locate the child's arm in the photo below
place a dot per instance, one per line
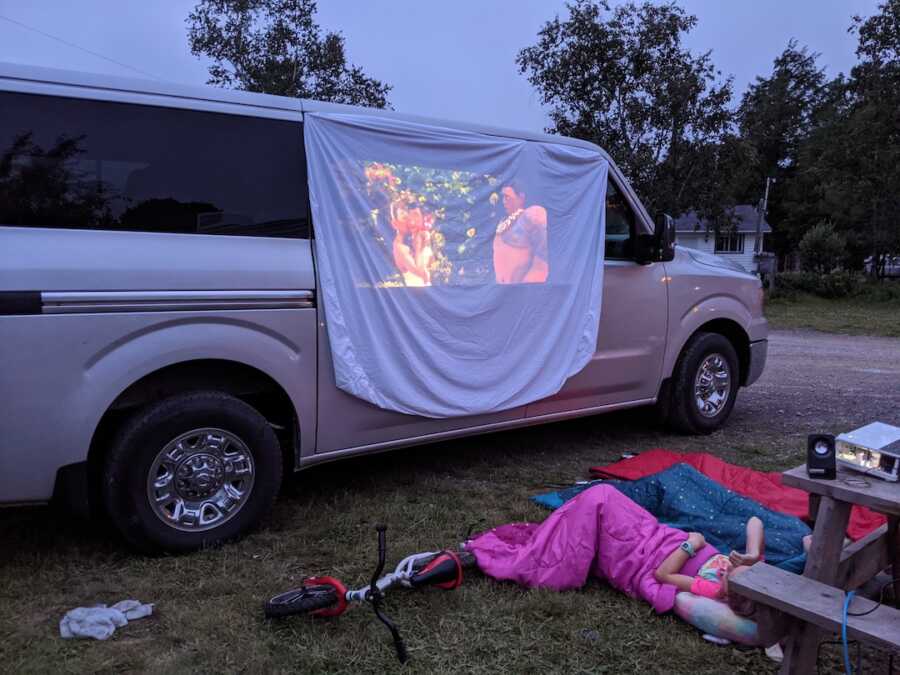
(680, 581)
(667, 572)
(756, 545)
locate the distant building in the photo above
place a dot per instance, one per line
(736, 242)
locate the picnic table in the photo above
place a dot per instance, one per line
(802, 607)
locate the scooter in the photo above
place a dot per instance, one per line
(327, 597)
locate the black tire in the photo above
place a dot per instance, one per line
(684, 414)
(301, 601)
(136, 446)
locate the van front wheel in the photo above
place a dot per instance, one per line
(191, 471)
(704, 384)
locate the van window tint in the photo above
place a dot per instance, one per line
(620, 222)
(72, 163)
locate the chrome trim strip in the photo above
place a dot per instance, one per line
(71, 302)
(333, 455)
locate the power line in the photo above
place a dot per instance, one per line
(72, 44)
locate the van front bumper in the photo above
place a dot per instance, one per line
(758, 352)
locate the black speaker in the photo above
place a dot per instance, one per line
(821, 460)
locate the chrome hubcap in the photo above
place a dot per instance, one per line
(200, 479)
(712, 385)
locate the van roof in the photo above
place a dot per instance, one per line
(35, 79)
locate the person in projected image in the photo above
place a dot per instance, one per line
(411, 224)
(520, 241)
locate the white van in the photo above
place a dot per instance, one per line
(162, 357)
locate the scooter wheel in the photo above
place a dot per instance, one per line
(303, 600)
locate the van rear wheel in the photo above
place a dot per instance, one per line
(191, 471)
(704, 384)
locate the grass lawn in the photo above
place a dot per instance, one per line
(209, 614)
(852, 316)
(209, 605)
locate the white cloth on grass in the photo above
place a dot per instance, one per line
(100, 622)
(441, 297)
(775, 653)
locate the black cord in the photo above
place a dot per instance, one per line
(884, 587)
(880, 600)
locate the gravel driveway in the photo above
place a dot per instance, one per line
(819, 382)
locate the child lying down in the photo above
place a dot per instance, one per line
(686, 499)
(603, 533)
(712, 577)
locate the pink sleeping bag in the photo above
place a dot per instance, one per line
(601, 533)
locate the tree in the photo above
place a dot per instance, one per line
(849, 165)
(822, 248)
(776, 112)
(38, 184)
(276, 47)
(776, 116)
(622, 79)
(874, 131)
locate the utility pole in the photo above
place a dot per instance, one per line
(762, 207)
(765, 262)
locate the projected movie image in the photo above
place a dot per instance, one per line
(451, 227)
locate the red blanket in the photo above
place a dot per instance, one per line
(766, 488)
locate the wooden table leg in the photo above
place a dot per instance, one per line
(821, 565)
(813, 508)
(893, 534)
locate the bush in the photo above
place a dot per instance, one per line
(883, 291)
(822, 248)
(835, 285)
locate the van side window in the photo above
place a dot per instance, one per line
(620, 223)
(73, 163)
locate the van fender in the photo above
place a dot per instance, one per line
(135, 355)
(712, 308)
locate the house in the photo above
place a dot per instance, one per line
(736, 242)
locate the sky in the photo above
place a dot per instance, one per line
(452, 60)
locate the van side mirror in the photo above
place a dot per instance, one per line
(664, 233)
(659, 246)
(645, 249)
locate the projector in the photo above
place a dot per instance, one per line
(873, 449)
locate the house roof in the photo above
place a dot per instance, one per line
(744, 221)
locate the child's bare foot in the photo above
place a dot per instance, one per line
(747, 559)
